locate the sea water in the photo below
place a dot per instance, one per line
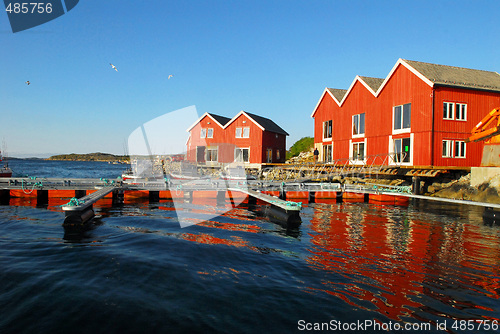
(349, 267)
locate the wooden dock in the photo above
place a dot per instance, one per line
(282, 200)
(282, 210)
(79, 210)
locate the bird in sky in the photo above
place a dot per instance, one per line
(28, 83)
(114, 67)
(170, 76)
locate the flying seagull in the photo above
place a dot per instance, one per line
(28, 83)
(170, 76)
(114, 67)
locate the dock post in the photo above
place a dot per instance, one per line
(252, 200)
(80, 193)
(4, 196)
(416, 185)
(221, 197)
(312, 197)
(117, 197)
(154, 196)
(282, 194)
(42, 197)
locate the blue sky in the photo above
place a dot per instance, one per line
(271, 58)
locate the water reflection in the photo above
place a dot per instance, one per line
(405, 263)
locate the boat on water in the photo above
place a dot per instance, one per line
(5, 171)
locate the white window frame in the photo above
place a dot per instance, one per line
(448, 110)
(402, 129)
(324, 157)
(392, 151)
(210, 133)
(455, 111)
(354, 159)
(236, 157)
(458, 152)
(447, 148)
(325, 137)
(243, 132)
(212, 148)
(461, 112)
(356, 124)
(203, 133)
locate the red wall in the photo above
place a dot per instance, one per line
(402, 87)
(226, 140)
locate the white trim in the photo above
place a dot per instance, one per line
(359, 135)
(392, 152)
(242, 148)
(382, 86)
(366, 85)
(321, 98)
(402, 130)
(199, 120)
(464, 152)
(449, 146)
(351, 152)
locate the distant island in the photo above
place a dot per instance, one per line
(91, 157)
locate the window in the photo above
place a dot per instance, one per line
(210, 133)
(448, 110)
(203, 133)
(243, 132)
(327, 129)
(461, 112)
(402, 150)
(457, 111)
(358, 151)
(358, 125)
(402, 118)
(211, 154)
(459, 149)
(447, 148)
(278, 155)
(327, 153)
(242, 155)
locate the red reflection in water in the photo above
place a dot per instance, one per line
(387, 261)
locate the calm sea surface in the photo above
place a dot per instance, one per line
(350, 267)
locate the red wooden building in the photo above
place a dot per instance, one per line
(246, 138)
(419, 115)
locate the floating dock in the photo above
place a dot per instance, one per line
(283, 200)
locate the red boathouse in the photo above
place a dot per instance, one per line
(246, 138)
(419, 115)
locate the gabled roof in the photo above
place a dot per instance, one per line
(431, 74)
(265, 124)
(337, 93)
(373, 83)
(219, 120)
